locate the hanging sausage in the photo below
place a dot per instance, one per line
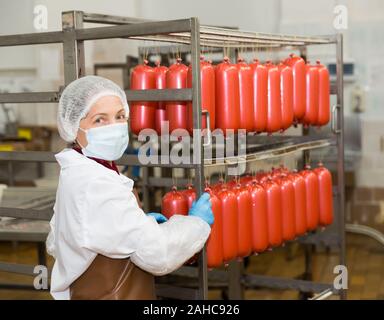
(324, 100)
(259, 217)
(288, 207)
(299, 84)
(176, 78)
(218, 186)
(262, 177)
(277, 172)
(275, 223)
(142, 113)
(300, 202)
(160, 113)
(230, 224)
(207, 78)
(231, 184)
(286, 87)
(173, 203)
(247, 180)
(244, 218)
(325, 194)
(312, 95)
(246, 96)
(215, 240)
(190, 195)
(227, 96)
(274, 99)
(260, 97)
(312, 194)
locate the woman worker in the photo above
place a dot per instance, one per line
(104, 245)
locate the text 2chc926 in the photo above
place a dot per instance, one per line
(212, 309)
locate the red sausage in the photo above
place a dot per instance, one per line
(246, 96)
(176, 78)
(260, 102)
(227, 96)
(142, 114)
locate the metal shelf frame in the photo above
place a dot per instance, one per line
(190, 33)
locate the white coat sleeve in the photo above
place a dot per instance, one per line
(116, 227)
(50, 242)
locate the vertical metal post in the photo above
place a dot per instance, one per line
(235, 286)
(126, 78)
(40, 169)
(11, 176)
(41, 253)
(308, 248)
(235, 267)
(198, 151)
(73, 50)
(340, 149)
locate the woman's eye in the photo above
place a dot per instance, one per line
(121, 117)
(99, 120)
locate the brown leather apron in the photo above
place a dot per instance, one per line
(113, 279)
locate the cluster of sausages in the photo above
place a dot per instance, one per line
(254, 213)
(253, 96)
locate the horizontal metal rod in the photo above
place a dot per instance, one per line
(176, 292)
(111, 19)
(213, 32)
(142, 29)
(164, 49)
(278, 151)
(31, 38)
(250, 45)
(209, 35)
(331, 38)
(326, 238)
(255, 281)
(30, 214)
(29, 97)
(214, 275)
(28, 156)
(175, 31)
(159, 95)
(224, 37)
(47, 156)
(22, 236)
(366, 231)
(191, 283)
(110, 66)
(133, 160)
(165, 182)
(17, 286)
(17, 268)
(242, 34)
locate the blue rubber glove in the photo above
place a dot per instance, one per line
(202, 208)
(158, 216)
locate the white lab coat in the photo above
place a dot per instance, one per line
(97, 213)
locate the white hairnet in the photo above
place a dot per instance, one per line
(78, 97)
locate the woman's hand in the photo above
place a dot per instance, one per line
(158, 216)
(202, 208)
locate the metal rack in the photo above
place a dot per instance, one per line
(190, 33)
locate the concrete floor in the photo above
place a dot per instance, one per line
(365, 259)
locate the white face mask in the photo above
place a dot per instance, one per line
(107, 142)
